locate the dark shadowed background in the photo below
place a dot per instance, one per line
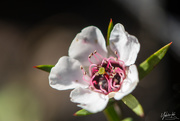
(40, 33)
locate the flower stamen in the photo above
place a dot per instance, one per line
(116, 53)
(106, 76)
(90, 59)
(96, 58)
(84, 74)
(95, 52)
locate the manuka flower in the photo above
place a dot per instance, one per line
(96, 72)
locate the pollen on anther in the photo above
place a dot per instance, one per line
(100, 83)
(116, 80)
(111, 77)
(105, 62)
(95, 51)
(115, 52)
(97, 74)
(84, 73)
(113, 74)
(81, 67)
(90, 55)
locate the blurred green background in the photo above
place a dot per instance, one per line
(40, 33)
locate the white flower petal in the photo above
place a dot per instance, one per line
(85, 43)
(66, 74)
(129, 83)
(126, 45)
(89, 100)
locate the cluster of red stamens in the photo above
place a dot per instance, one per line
(106, 76)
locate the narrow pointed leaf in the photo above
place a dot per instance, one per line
(82, 112)
(133, 104)
(127, 119)
(147, 66)
(110, 27)
(46, 68)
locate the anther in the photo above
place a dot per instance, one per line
(95, 51)
(113, 74)
(89, 56)
(81, 67)
(113, 71)
(105, 62)
(112, 67)
(100, 83)
(116, 68)
(115, 52)
(84, 73)
(111, 77)
(97, 74)
(116, 80)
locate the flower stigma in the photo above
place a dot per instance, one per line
(107, 76)
(101, 70)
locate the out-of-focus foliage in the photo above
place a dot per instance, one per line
(17, 103)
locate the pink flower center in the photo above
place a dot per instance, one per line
(107, 76)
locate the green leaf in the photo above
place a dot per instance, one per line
(18, 103)
(46, 68)
(112, 114)
(110, 27)
(133, 104)
(127, 119)
(82, 112)
(147, 66)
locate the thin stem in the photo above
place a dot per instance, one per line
(113, 113)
